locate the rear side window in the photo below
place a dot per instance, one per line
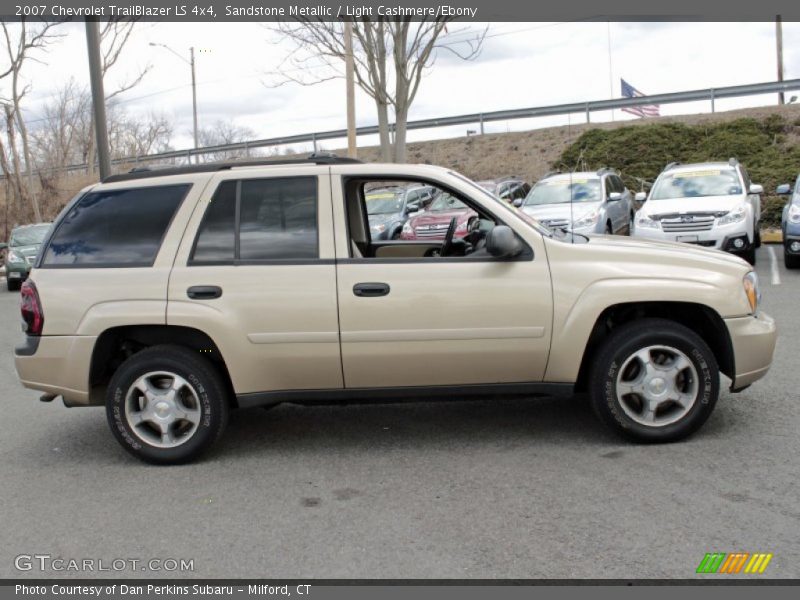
(114, 228)
(259, 220)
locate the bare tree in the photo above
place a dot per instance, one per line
(114, 36)
(22, 43)
(224, 132)
(390, 59)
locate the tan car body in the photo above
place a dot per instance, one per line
(447, 322)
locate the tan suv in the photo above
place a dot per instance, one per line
(173, 296)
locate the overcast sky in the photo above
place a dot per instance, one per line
(521, 65)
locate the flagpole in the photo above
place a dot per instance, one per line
(610, 71)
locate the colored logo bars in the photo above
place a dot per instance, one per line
(736, 562)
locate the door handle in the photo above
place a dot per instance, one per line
(204, 292)
(371, 290)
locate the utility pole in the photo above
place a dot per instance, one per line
(191, 64)
(194, 100)
(779, 44)
(98, 97)
(349, 64)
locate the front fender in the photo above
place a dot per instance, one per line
(573, 327)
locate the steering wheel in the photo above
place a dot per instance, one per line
(448, 238)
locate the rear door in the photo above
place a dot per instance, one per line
(255, 271)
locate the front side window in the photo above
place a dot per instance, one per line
(694, 184)
(259, 220)
(115, 228)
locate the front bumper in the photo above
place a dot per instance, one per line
(57, 365)
(753, 340)
(791, 243)
(720, 237)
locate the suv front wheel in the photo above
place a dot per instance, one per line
(654, 380)
(166, 405)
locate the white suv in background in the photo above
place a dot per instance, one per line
(708, 204)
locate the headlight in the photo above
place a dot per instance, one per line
(407, 228)
(794, 213)
(379, 228)
(14, 257)
(646, 222)
(735, 216)
(752, 291)
(586, 220)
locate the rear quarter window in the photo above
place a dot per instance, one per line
(114, 228)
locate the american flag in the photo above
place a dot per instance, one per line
(644, 110)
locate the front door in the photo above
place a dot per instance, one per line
(411, 320)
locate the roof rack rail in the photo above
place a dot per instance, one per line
(672, 165)
(316, 158)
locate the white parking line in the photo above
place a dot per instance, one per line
(773, 266)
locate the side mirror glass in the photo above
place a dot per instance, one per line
(614, 197)
(640, 196)
(756, 188)
(502, 242)
(412, 208)
(784, 189)
(517, 202)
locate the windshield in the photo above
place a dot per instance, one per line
(489, 186)
(384, 202)
(564, 191)
(696, 184)
(29, 236)
(446, 201)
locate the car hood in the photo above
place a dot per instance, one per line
(661, 252)
(675, 206)
(430, 218)
(383, 218)
(29, 250)
(546, 212)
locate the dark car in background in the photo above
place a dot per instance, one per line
(388, 208)
(790, 224)
(21, 251)
(506, 188)
(432, 224)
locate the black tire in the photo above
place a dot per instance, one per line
(13, 285)
(750, 255)
(609, 229)
(791, 261)
(212, 400)
(758, 237)
(619, 347)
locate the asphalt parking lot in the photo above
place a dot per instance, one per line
(479, 489)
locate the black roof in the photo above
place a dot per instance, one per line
(146, 172)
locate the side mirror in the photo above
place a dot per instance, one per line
(640, 197)
(614, 197)
(784, 189)
(412, 208)
(502, 242)
(517, 202)
(756, 188)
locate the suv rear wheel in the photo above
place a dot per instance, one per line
(166, 405)
(654, 380)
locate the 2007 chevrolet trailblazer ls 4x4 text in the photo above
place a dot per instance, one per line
(171, 297)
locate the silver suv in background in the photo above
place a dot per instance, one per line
(584, 202)
(709, 204)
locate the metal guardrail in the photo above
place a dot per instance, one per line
(587, 108)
